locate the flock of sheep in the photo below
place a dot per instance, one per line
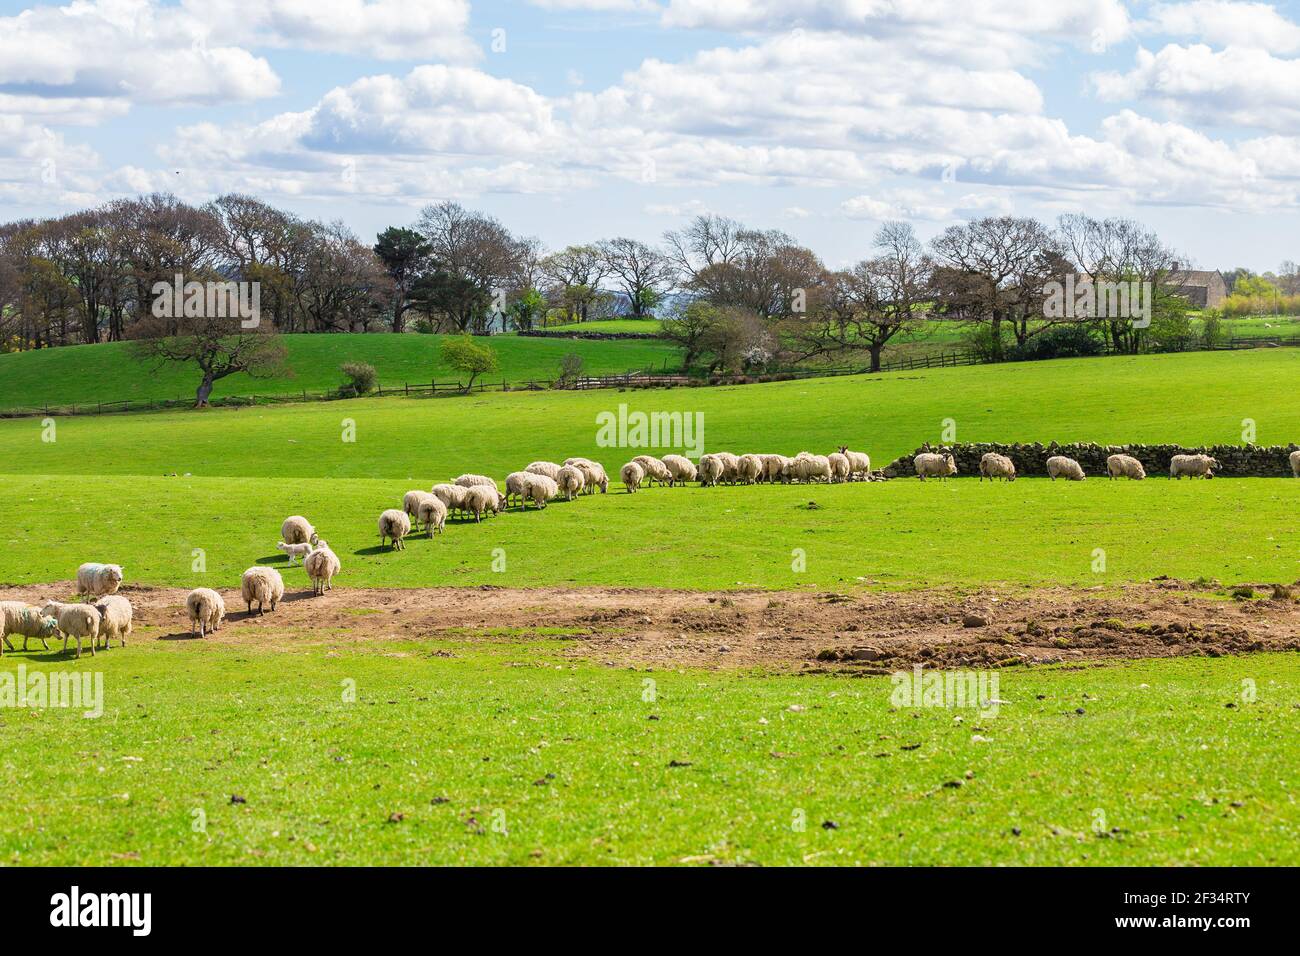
(110, 615)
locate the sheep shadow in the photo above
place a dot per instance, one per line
(182, 636)
(376, 549)
(275, 559)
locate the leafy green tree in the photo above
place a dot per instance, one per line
(463, 354)
(404, 253)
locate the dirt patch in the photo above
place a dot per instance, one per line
(791, 630)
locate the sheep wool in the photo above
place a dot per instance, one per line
(18, 619)
(632, 475)
(548, 468)
(859, 462)
(841, 468)
(297, 530)
(322, 564)
(1294, 458)
(394, 525)
(994, 466)
(710, 470)
(540, 490)
(570, 481)
(115, 618)
(207, 610)
(1058, 466)
(749, 468)
(932, 465)
(453, 496)
(680, 468)
(517, 485)
(483, 499)
(261, 585)
(1192, 466)
(472, 481)
(96, 580)
(655, 469)
(79, 621)
(1125, 466)
(433, 514)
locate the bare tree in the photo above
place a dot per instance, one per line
(642, 273)
(575, 275)
(472, 249)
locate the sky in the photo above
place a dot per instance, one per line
(580, 120)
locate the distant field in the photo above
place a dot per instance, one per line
(86, 374)
(649, 326)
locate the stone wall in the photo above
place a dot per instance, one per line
(1235, 461)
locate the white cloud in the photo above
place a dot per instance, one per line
(1254, 25)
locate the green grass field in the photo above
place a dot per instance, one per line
(511, 751)
(86, 374)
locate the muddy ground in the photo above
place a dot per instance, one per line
(801, 631)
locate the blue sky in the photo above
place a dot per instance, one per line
(576, 120)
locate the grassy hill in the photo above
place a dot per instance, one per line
(86, 374)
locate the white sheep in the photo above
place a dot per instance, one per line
(806, 466)
(22, 620)
(841, 467)
(632, 474)
(96, 580)
(264, 586)
(395, 525)
(1294, 458)
(207, 610)
(548, 468)
(710, 470)
(517, 485)
(1125, 466)
(411, 502)
(482, 499)
(115, 618)
(80, 621)
(1058, 466)
(472, 481)
(994, 466)
(774, 468)
(681, 469)
(570, 480)
(297, 530)
(654, 469)
(730, 466)
(593, 474)
(453, 496)
(298, 551)
(433, 514)
(1193, 466)
(859, 463)
(540, 490)
(933, 465)
(322, 564)
(749, 468)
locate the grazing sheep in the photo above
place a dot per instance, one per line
(96, 580)
(517, 485)
(453, 496)
(471, 481)
(710, 470)
(859, 463)
(395, 525)
(571, 481)
(632, 474)
(1125, 466)
(1294, 458)
(730, 466)
(22, 620)
(593, 474)
(680, 468)
(540, 490)
(299, 551)
(481, 498)
(749, 468)
(655, 469)
(841, 467)
(411, 503)
(207, 610)
(548, 468)
(115, 618)
(433, 514)
(774, 468)
(806, 466)
(1058, 466)
(1193, 466)
(932, 465)
(993, 466)
(263, 585)
(78, 621)
(322, 564)
(297, 530)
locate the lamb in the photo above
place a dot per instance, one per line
(265, 586)
(994, 466)
(517, 485)
(115, 618)
(433, 513)
(207, 610)
(710, 470)
(1058, 466)
(299, 551)
(932, 465)
(395, 525)
(453, 496)
(632, 474)
(841, 467)
(471, 481)
(1125, 466)
(548, 468)
(481, 498)
(1193, 466)
(749, 468)
(681, 469)
(1294, 458)
(411, 503)
(570, 480)
(75, 621)
(22, 620)
(859, 463)
(322, 564)
(655, 469)
(96, 580)
(540, 490)
(297, 530)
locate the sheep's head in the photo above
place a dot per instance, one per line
(844, 449)
(114, 574)
(314, 537)
(49, 626)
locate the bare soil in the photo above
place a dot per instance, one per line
(863, 632)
